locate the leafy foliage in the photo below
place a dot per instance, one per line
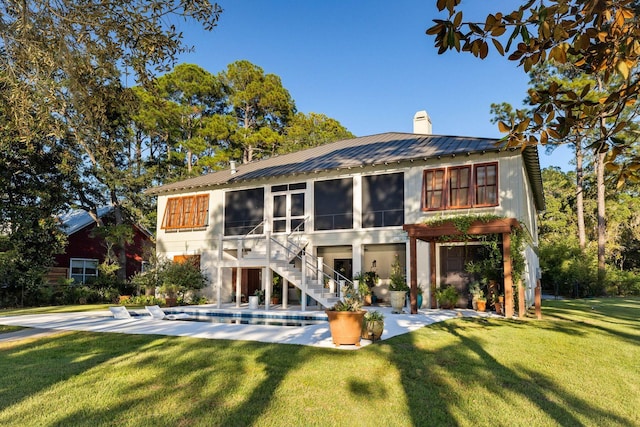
(398, 281)
(597, 38)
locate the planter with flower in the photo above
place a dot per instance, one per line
(345, 317)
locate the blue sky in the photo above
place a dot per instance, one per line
(368, 64)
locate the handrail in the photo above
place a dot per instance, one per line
(314, 264)
(297, 229)
(254, 229)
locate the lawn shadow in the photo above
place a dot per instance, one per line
(432, 381)
(71, 353)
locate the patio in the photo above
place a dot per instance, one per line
(313, 335)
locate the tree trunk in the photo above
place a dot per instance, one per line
(582, 240)
(602, 214)
(121, 252)
(602, 218)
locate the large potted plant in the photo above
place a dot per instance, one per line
(345, 317)
(447, 297)
(397, 286)
(363, 288)
(372, 325)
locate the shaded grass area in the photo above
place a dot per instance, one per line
(578, 366)
(54, 309)
(7, 328)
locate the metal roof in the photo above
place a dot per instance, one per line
(77, 219)
(391, 147)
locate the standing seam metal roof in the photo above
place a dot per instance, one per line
(369, 150)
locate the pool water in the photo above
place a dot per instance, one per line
(253, 318)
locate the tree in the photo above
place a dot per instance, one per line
(312, 130)
(600, 39)
(193, 96)
(261, 108)
(62, 65)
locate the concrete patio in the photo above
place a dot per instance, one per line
(313, 335)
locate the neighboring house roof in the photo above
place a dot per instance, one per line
(391, 147)
(77, 219)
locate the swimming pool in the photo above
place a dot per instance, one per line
(253, 318)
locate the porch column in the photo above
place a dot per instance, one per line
(303, 293)
(508, 279)
(267, 283)
(432, 271)
(219, 287)
(238, 285)
(268, 273)
(356, 260)
(413, 271)
(285, 293)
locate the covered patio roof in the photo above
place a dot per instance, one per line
(433, 233)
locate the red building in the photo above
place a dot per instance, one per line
(85, 249)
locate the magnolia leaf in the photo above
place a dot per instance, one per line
(458, 19)
(503, 127)
(622, 68)
(498, 46)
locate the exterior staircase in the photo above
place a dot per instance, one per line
(287, 258)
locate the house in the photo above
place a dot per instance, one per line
(85, 249)
(321, 215)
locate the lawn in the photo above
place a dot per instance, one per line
(578, 366)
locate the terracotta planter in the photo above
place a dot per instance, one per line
(372, 329)
(367, 300)
(482, 306)
(171, 301)
(275, 300)
(397, 300)
(345, 326)
(498, 306)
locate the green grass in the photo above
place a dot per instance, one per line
(578, 366)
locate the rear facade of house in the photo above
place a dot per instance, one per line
(329, 213)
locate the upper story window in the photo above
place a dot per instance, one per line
(333, 204)
(186, 212)
(460, 187)
(383, 200)
(243, 211)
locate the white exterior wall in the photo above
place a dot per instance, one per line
(515, 200)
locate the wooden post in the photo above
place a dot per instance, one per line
(413, 266)
(432, 271)
(508, 280)
(538, 300)
(522, 306)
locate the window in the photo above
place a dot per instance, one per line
(460, 187)
(486, 181)
(459, 183)
(333, 204)
(84, 270)
(383, 200)
(243, 211)
(186, 212)
(433, 189)
(192, 259)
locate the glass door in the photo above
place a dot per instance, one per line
(288, 207)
